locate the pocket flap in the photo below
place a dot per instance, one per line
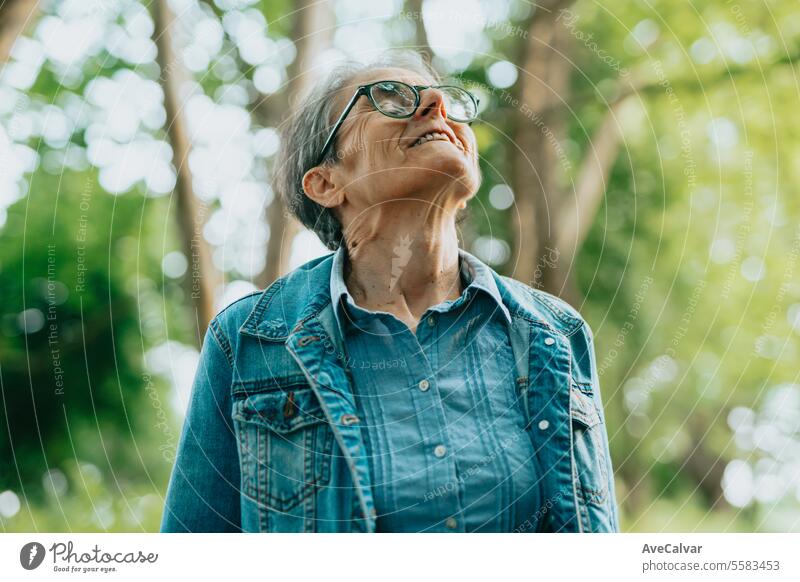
(264, 382)
(583, 409)
(280, 411)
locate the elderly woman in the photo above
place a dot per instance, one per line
(398, 384)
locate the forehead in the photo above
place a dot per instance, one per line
(391, 74)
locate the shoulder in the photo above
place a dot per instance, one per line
(225, 325)
(272, 312)
(231, 317)
(549, 310)
(537, 304)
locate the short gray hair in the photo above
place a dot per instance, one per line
(303, 134)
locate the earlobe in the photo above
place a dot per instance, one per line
(318, 186)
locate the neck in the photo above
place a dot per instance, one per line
(403, 259)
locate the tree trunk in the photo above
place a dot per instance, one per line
(421, 43)
(15, 16)
(552, 219)
(703, 465)
(312, 33)
(539, 127)
(190, 211)
(580, 205)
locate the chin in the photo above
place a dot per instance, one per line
(424, 173)
(465, 179)
(454, 166)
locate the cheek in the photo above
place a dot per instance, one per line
(383, 154)
(360, 139)
(473, 148)
(376, 144)
(472, 143)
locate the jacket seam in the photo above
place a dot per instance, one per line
(562, 315)
(222, 341)
(569, 321)
(268, 295)
(232, 303)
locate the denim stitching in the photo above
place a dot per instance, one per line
(222, 341)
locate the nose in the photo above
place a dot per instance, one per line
(431, 102)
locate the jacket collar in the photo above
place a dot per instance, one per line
(301, 295)
(290, 301)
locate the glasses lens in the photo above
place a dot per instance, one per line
(459, 104)
(393, 98)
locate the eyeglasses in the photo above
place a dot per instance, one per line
(400, 100)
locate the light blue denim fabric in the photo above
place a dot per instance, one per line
(272, 439)
(443, 424)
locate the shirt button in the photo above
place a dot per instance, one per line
(451, 523)
(348, 419)
(431, 321)
(544, 424)
(440, 451)
(548, 341)
(424, 385)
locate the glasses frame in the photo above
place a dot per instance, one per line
(366, 90)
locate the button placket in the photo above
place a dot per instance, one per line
(434, 434)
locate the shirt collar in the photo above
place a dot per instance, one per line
(479, 276)
(475, 276)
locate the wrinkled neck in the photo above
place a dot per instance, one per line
(403, 258)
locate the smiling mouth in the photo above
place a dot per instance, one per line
(433, 136)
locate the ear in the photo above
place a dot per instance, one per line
(319, 185)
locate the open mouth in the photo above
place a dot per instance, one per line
(431, 137)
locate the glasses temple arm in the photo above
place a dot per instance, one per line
(339, 122)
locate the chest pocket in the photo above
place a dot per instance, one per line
(588, 448)
(285, 446)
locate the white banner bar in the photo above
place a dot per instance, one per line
(389, 557)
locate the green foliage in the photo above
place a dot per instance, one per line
(689, 274)
(74, 385)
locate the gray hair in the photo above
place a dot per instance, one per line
(304, 133)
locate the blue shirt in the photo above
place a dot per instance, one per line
(443, 427)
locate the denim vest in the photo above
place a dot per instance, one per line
(272, 440)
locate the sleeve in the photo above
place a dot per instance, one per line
(204, 489)
(587, 362)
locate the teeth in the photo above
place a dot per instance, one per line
(430, 137)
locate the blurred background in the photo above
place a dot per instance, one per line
(639, 160)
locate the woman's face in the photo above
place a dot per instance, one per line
(380, 159)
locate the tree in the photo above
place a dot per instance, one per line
(189, 212)
(553, 218)
(312, 31)
(15, 15)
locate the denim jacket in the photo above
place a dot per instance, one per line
(272, 442)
